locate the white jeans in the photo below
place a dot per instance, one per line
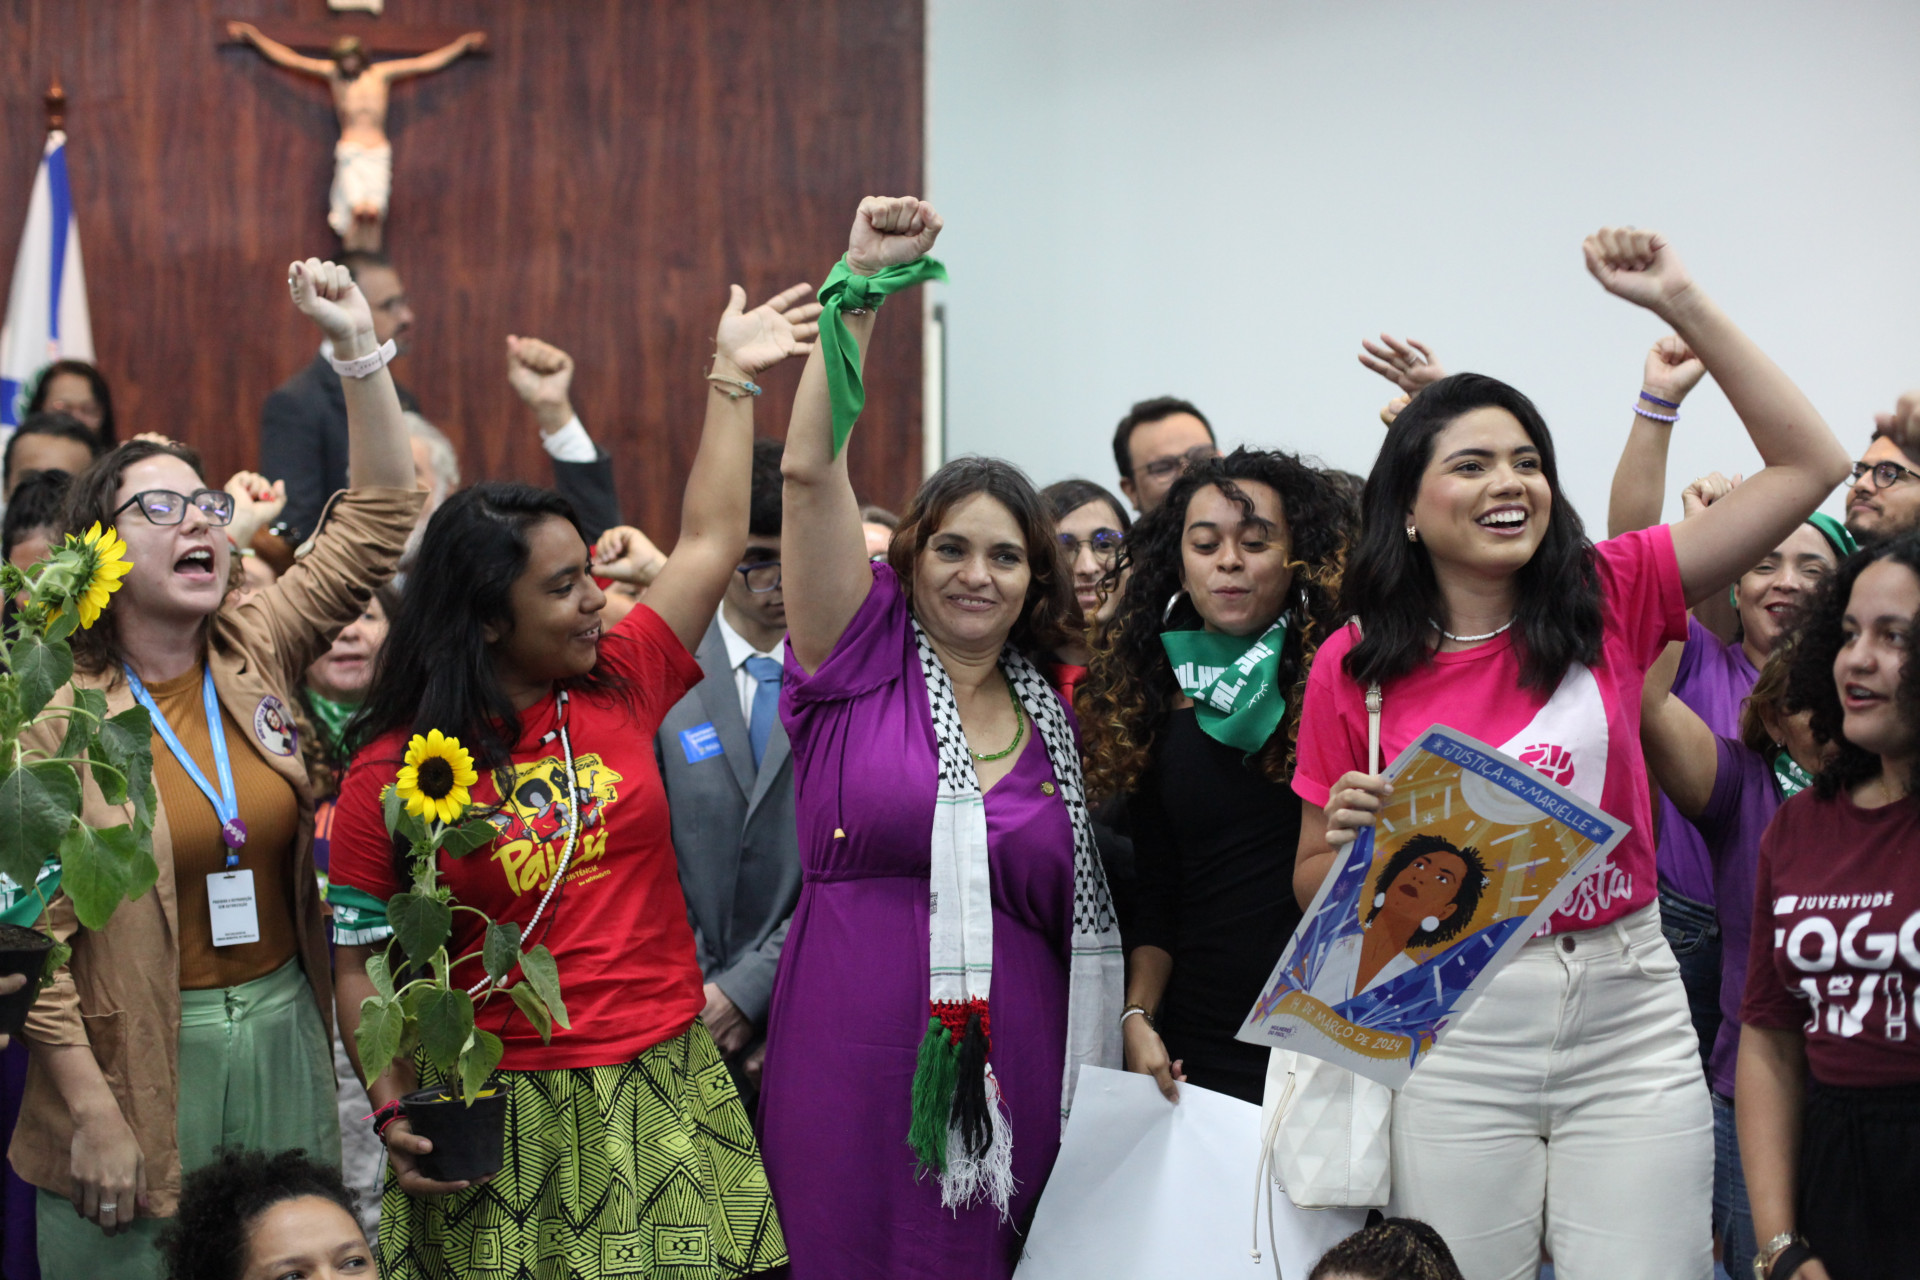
(1567, 1110)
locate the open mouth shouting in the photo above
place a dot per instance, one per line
(196, 565)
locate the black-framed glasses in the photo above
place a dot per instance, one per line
(761, 576)
(1161, 468)
(164, 506)
(1105, 545)
(1884, 473)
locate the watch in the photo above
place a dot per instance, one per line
(1770, 1253)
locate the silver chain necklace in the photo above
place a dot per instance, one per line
(1469, 639)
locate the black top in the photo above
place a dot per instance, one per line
(1214, 843)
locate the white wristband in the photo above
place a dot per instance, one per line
(365, 365)
(1133, 1011)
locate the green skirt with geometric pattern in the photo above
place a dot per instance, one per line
(648, 1168)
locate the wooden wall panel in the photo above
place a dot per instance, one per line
(598, 179)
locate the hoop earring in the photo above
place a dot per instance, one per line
(1172, 600)
(1413, 534)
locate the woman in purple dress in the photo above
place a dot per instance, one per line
(952, 959)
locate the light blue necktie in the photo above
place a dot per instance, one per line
(766, 704)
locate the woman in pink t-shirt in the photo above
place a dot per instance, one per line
(1487, 610)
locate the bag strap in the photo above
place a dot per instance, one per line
(1262, 1182)
(1373, 727)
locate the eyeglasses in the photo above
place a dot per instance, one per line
(1884, 473)
(164, 506)
(1105, 544)
(1161, 468)
(761, 576)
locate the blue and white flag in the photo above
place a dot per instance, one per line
(47, 310)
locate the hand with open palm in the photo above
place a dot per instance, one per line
(757, 340)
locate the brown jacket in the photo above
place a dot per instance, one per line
(120, 994)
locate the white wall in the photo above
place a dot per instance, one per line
(1219, 199)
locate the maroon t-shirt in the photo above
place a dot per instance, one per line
(1836, 937)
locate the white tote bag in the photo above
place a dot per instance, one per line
(1327, 1130)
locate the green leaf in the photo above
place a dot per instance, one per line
(126, 743)
(535, 1009)
(57, 955)
(381, 1024)
(101, 869)
(37, 804)
(446, 1020)
(468, 836)
(80, 729)
(379, 976)
(421, 923)
(392, 807)
(42, 669)
(544, 974)
(65, 623)
(501, 950)
(477, 1062)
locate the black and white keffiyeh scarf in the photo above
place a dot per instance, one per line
(960, 1127)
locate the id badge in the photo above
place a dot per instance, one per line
(230, 903)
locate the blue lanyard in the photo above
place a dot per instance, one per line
(226, 802)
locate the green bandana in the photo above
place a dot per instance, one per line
(1792, 779)
(1233, 681)
(845, 391)
(331, 717)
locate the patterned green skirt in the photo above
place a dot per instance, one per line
(644, 1169)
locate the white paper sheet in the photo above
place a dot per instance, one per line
(1145, 1189)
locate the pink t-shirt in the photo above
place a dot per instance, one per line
(1586, 737)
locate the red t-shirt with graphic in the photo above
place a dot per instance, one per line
(619, 931)
(1586, 736)
(1836, 938)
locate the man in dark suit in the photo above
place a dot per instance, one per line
(729, 780)
(303, 426)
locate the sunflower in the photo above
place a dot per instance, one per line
(104, 563)
(435, 776)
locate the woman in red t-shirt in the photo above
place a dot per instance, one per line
(1827, 1091)
(1486, 609)
(627, 1147)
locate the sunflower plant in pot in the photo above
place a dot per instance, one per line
(417, 1006)
(46, 742)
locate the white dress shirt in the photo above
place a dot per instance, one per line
(571, 443)
(738, 651)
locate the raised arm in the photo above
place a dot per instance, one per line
(822, 550)
(1804, 461)
(279, 54)
(1408, 365)
(1682, 757)
(713, 515)
(400, 68)
(1640, 481)
(378, 452)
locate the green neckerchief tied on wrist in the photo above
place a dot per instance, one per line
(843, 289)
(1234, 682)
(1791, 778)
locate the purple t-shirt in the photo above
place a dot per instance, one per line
(1744, 800)
(1714, 679)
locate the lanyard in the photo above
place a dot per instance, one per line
(226, 802)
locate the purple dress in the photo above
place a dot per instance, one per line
(850, 1002)
(1744, 800)
(1713, 680)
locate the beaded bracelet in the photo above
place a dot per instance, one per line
(1657, 417)
(1650, 398)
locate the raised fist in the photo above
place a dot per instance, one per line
(1672, 369)
(325, 291)
(624, 554)
(1706, 491)
(1409, 365)
(890, 231)
(1639, 266)
(763, 337)
(1393, 409)
(539, 372)
(256, 504)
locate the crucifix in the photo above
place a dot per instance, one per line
(363, 158)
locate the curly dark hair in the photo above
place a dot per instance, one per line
(1390, 1249)
(1466, 898)
(221, 1203)
(1810, 682)
(1390, 584)
(1129, 692)
(1048, 617)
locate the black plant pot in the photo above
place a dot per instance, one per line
(469, 1142)
(21, 951)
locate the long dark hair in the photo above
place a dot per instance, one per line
(1045, 618)
(1390, 585)
(1466, 896)
(1810, 679)
(102, 394)
(1129, 693)
(436, 671)
(90, 501)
